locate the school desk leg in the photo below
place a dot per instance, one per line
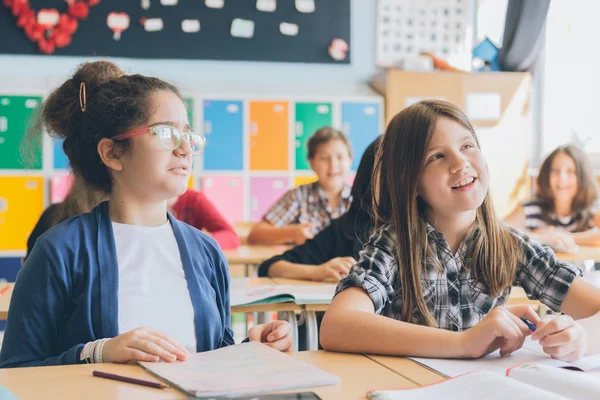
(290, 316)
(312, 330)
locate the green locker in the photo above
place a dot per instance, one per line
(309, 118)
(189, 104)
(15, 112)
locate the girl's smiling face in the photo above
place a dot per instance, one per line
(454, 177)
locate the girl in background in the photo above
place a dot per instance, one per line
(565, 211)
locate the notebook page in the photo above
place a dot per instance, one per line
(571, 384)
(244, 369)
(473, 386)
(530, 352)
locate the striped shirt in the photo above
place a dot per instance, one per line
(308, 204)
(578, 222)
(455, 299)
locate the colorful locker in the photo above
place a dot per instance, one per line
(269, 136)
(361, 122)
(309, 118)
(303, 180)
(21, 204)
(60, 158)
(227, 194)
(15, 112)
(264, 192)
(60, 185)
(224, 131)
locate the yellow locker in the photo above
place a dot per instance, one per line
(21, 204)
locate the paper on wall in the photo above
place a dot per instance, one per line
(288, 29)
(266, 5)
(214, 3)
(242, 28)
(305, 6)
(484, 106)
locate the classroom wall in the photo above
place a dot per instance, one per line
(361, 68)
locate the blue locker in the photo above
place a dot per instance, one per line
(8, 271)
(223, 128)
(60, 159)
(361, 122)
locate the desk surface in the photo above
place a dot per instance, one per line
(246, 254)
(409, 369)
(583, 254)
(5, 300)
(359, 375)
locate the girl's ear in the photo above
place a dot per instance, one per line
(110, 154)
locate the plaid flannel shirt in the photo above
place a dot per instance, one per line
(456, 301)
(308, 204)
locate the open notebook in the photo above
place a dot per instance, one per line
(529, 381)
(268, 294)
(239, 370)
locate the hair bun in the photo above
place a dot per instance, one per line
(62, 110)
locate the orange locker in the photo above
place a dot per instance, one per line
(303, 180)
(269, 135)
(21, 204)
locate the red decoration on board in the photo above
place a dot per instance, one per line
(49, 35)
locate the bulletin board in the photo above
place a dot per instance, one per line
(316, 28)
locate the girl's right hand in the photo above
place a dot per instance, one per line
(142, 344)
(501, 329)
(560, 240)
(336, 268)
(302, 233)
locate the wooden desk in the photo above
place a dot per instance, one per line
(409, 369)
(251, 256)
(5, 300)
(584, 253)
(359, 375)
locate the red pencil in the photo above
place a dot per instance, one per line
(4, 290)
(155, 385)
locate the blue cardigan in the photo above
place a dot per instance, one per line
(66, 292)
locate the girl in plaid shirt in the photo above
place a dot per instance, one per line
(439, 258)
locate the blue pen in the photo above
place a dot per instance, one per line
(531, 326)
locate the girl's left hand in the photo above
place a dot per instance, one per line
(561, 337)
(275, 334)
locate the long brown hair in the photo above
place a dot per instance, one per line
(587, 192)
(400, 160)
(82, 198)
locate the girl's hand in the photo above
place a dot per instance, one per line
(558, 239)
(561, 337)
(302, 233)
(275, 334)
(336, 268)
(501, 329)
(142, 344)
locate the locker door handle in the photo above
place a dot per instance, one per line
(253, 128)
(3, 124)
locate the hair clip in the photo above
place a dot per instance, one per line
(82, 97)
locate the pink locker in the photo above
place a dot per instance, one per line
(264, 192)
(60, 185)
(227, 194)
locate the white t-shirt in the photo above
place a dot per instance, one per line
(153, 291)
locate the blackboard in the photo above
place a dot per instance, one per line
(330, 20)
